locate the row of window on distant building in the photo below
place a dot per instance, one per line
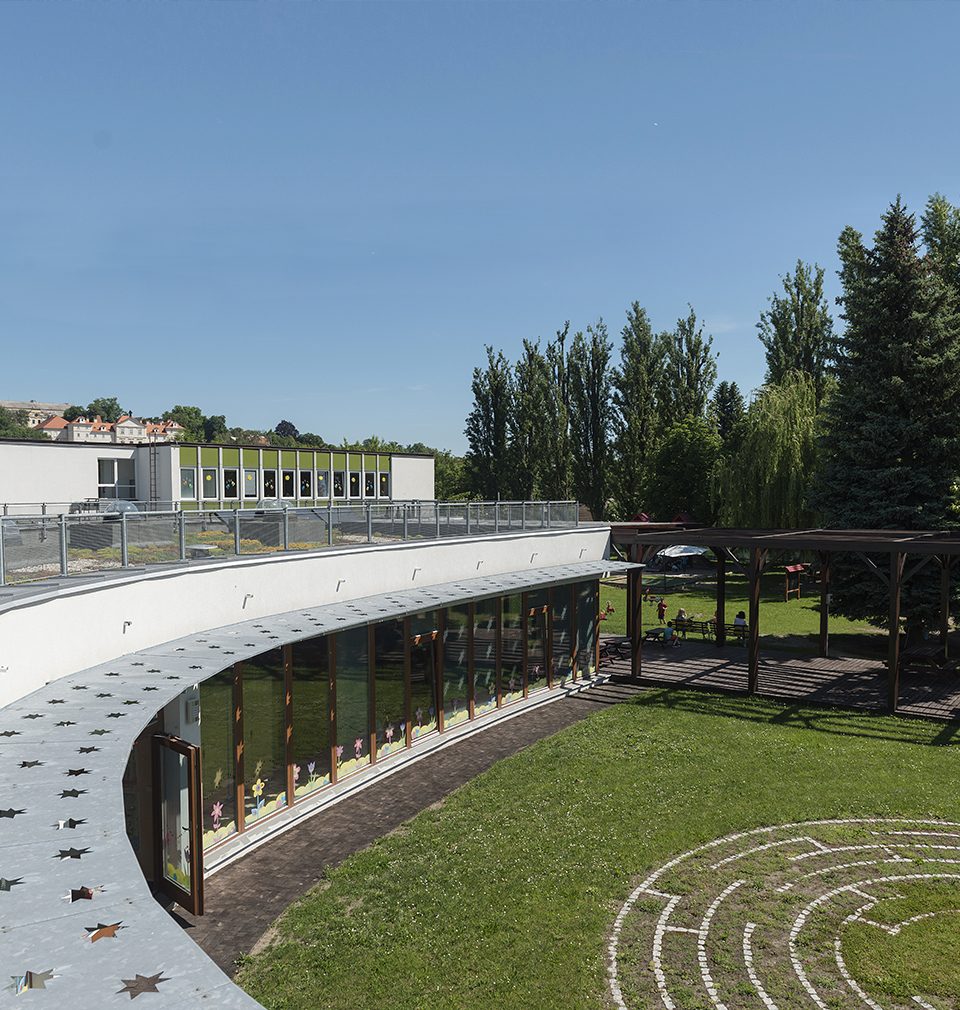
(210, 474)
(216, 484)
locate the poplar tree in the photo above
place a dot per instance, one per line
(635, 423)
(527, 421)
(892, 452)
(555, 426)
(487, 460)
(688, 373)
(797, 330)
(591, 416)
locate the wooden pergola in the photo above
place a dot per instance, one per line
(641, 541)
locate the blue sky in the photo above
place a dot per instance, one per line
(324, 211)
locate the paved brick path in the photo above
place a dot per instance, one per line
(243, 899)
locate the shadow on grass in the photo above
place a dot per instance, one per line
(835, 721)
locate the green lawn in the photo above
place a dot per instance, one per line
(795, 622)
(504, 895)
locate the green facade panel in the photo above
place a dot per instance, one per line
(384, 464)
(288, 458)
(271, 459)
(339, 461)
(369, 462)
(305, 459)
(188, 455)
(355, 461)
(231, 457)
(209, 455)
(251, 458)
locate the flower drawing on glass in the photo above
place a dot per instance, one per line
(257, 790)
(339, 751)
(296, 773)
(216, 813)
(311, 768)
(419, 715)
(388, 733)
(403, 728)
(358, 747)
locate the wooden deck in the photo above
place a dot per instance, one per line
(844, 682)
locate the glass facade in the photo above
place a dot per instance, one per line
(383, 684)
(561, 651)
(485, 656)
(424, 632)
(456, 666)
(511, 650)
(311, 715)
(264, 735)
(217, 757)
(389, 688)
(536, 611)
(353, 701)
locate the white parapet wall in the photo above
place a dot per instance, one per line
(412, 478)
(49, 635)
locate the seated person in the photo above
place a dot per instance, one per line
(740, 625)
(669, 635)
(680, 621)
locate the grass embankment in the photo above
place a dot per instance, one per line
(504, 896)
(795, 622)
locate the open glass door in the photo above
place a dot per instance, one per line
(180, 848)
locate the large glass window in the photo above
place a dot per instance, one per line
(264, 736)
(370, 485)
(353, 700)
(250, 482)
(390, 700)
(217, 758)
(311, 716)
(423, 674)
(511, 676)
(306, 483)
(269, 483)
(485, 657)
(188, 482)
(456, 666)
(384, 485)
(338, 483)
(561, 655)
(230, 484)
(354, 483)
(210, 484)
(586, 627)
(287, 484)
(323, 483)
(536, 640)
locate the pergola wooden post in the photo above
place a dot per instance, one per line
(757, 560)
(721, 626)
(893, 653)
(635, 598)
(826, 559)
(946, 569)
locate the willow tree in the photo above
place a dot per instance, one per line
(764, 481)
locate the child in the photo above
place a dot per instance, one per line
(661, 609)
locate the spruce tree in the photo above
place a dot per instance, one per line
(727, 409)
(797, 330)
(892, 451)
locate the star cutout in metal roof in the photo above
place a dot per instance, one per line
(74, 772)
(141, 984)
(30, 764)
(71, 853)
(30, 980)
(104, 694)
(99, 732)
(116, 715)
(11, 812)
(34, 715)
(67, 793)
(6, 885)
(87, 750)
(66, 722)
(69, 823)
(10, 732)
(102, 930)
(56, 701)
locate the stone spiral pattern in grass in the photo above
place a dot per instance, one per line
(783, 917)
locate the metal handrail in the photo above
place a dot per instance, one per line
(45, 545)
